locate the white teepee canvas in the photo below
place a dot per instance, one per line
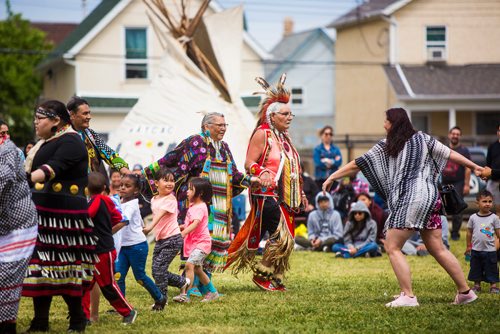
(171, 109)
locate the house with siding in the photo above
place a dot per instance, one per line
(440, 60)
(308, 59)
(112, 56)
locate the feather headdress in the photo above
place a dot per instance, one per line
(278, 94)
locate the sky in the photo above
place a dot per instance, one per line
(264, 17)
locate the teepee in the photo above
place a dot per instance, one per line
(199, 73)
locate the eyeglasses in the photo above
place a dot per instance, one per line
(4, 133)
(328, 134)
(286, 114)
(220, 125)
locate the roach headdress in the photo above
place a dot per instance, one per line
(275, 97)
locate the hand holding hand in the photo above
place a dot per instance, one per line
(146, 230)
(265, 179)
(485, 174)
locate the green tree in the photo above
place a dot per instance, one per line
(22, 47)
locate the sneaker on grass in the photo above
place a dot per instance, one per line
(462, 299)
(210, 296)
(130, 319)
(403, 301)
(182, 298)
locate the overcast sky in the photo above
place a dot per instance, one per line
(264, 17)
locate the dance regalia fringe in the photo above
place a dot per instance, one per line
(243, 249)
(63, 260)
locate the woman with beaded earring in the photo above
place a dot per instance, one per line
(272, 157)
(63, 260)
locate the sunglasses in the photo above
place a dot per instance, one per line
(3, 133)
(328, 134)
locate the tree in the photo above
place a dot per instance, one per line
(22, 47)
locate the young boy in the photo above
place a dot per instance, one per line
(482, 227)
(107, 220)
(324, 226)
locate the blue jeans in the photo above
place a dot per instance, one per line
(135, 256)
(368, 248)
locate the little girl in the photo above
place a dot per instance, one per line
(168, 235)
(360, 233)
(134, 250)
(197, 240)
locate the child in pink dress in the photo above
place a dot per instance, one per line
(197, 240)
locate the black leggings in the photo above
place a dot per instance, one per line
(41, 305)
(271, 216)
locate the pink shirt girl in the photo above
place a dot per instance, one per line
(200, 236)
(167, 225)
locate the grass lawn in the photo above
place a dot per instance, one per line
(325, 294)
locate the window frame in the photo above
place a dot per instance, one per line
(435, 44)
(139, 61)
(302, 97)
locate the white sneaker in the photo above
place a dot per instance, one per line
(403, 301)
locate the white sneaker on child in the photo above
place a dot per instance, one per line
(403, 301)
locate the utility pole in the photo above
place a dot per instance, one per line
(84, 8)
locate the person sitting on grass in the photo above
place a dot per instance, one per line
(481, 230)
(377, 213)
(360, 233)
(324, 226)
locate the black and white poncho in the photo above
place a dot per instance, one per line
(407, 182)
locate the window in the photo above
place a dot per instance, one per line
(436, 43)
(136, 65)
(297, 96)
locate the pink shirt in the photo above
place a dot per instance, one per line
(200, 236)
(168, 225)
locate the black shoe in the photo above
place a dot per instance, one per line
(130, 319)
(159, 305)
(37, 326)
(8, 327)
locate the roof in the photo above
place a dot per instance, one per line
(445, 81)
(106, 11)
(289, 46)
(81, 30)
(56, 32)
(368, 10)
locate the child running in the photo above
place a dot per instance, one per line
(168, 235)
(106, 220)
(197, 240)
(134, 250)
(481, 230)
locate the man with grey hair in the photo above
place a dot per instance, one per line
(205, 154)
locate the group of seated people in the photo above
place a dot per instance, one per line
(349, 223)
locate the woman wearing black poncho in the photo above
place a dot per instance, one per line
(63, 259)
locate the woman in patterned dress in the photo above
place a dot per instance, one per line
(63, 260)
(18, 230)
(401, 169)
(206, 155)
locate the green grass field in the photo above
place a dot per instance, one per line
(325, 294)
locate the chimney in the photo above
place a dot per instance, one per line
(287, 26)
